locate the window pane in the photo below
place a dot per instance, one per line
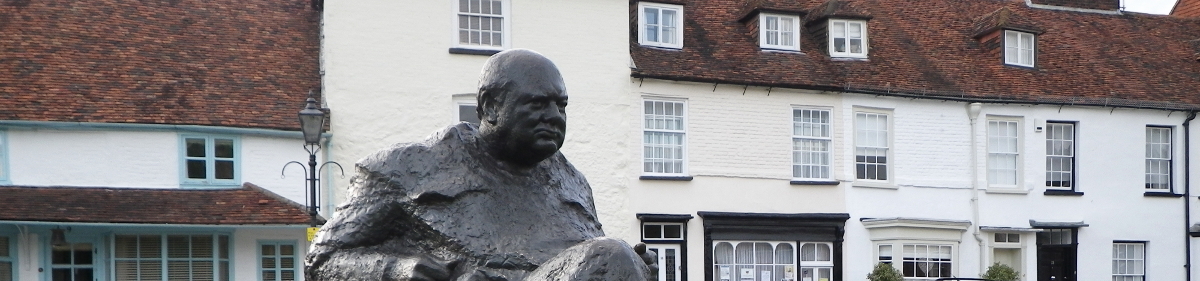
(224, 148)
(196, 169)
(652, 231)
(723, 253)
(224, 170)
(672, 231)
(195, 147)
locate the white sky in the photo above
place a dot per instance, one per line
(1161, 7)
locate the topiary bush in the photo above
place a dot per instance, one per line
(1001, 272)
(885, 272)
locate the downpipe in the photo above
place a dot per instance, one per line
(973, 110)
(1187, 195)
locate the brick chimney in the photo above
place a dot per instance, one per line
(1186, 9)
(1109, 5)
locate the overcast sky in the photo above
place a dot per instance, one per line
(1161, 7)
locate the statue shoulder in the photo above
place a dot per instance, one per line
(410, 167)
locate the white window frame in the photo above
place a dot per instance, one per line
(209, 159)
(860, 132)
(1157, 159)
(847, 53)
(662, 235)
(220, 257)
(505, 28)
(1015, 47)
(765, 33)
(461, 100)
(1129, 261)
(735, 269)
(646, 145)
(799, 135)
(995, 151)
(815, 265)
(1060, 167)
(678, 22)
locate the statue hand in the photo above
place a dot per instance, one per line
(419, 268)
(650, 258)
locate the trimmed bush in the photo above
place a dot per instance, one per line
(885, 272)
(1001, 272)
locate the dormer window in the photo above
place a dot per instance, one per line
(1019, 48)
(660, 25)
(847, 38)
(779, 32)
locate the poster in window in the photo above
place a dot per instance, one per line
(725, 273)
(766, 275)
(789, 273)
(747, 274)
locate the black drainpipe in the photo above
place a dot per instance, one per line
(1187, 194)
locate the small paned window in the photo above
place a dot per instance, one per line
(661, 25)
(1007, 238)
(1060, 155)
(662, 231)
(663, 138)
(278, 261)
(871, 145)
(466, 113)
(1158, 159)
(885, 254)
(811, 144)
(1019, 48)
(928, 261)
(1129, 261)
(816, 262)
(1056, 236)
(1003, 153)
(847, 38)
(481, 23)
(754, 260)
(779, 32)
(7, 259)
(210, 160)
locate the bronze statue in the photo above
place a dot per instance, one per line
(494, 203)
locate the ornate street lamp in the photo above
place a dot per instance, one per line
(312, 125)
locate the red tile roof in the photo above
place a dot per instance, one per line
(929, 49)
(237, 63)
(249, 204)
(1186, 8)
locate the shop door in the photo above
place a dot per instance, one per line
(1056, 254)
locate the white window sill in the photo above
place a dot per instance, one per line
(665, 48)
(1006, 190)
(849, 58)
(875, 184)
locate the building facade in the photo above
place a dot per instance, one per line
(812, 140)
(145, 140)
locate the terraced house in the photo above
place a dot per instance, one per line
(143, 140)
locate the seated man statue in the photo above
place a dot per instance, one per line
(494, 203)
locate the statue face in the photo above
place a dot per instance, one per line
(533, 117)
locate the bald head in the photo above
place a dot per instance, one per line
(522, 107)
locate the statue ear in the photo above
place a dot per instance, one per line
(488, 108)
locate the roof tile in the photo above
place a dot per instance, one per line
(249, 204)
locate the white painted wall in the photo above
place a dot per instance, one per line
(141, 159)
(932, 156)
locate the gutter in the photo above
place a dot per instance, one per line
(963, 98)
(1187, 195)
(107, 224)
(153, 127)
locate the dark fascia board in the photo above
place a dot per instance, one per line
(673, 2)
(711, 218)
(754, 13)
(1046, 224)
(663, 217)
(1056, 192)
(1162, 194)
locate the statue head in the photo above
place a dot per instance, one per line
(522, 107)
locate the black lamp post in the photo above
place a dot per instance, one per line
(312, 125)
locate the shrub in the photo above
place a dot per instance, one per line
(885, 272)
(1001, 272)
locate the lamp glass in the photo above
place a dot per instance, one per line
(312, 122)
